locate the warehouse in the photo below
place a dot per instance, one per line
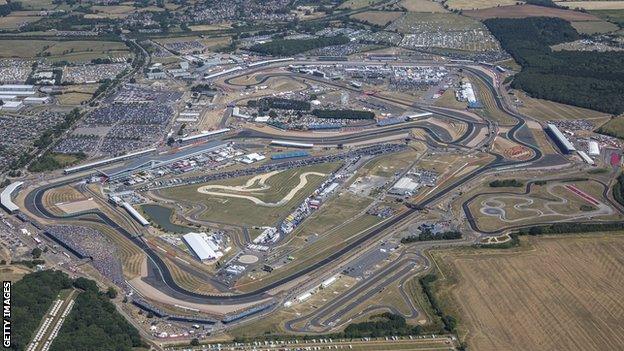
(203, 246)
(404, 186)
(5, 197)
(594, 148)
(564, 144)
(12, 106)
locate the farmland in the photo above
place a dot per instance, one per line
(592, 5)
(379, 18)
(73, 51)
(422, 6)
(545, 110)
(522, 11)
(553, 293)
(477, 4)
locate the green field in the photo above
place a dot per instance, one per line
(414, 22)
(614, 127)
(615, 16)
(231, 210)
(72, 51)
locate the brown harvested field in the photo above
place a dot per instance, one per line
(545, 110)
(477, 4)
(522, 11)
(422, 6)
(379, 18)
(560, 293)
(592, 5)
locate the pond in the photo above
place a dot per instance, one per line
(162, 216)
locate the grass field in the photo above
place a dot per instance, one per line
(545, 110)
(594, 27)
(306, 253)
(613, 127)
(379, 18)
(77, 51)
(357, 4)
(414, 22)
(14, 21)
(551, 294)
(615, 16)
(490, 109)
(422, 6)
(542, 204)
(224, 209)
(448, 100)
(76, 94)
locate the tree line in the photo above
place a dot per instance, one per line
(592, 80)
(343, 114)
(427, 235)
(287, 47)
(618, 189)
(267, 103)
(506, 183)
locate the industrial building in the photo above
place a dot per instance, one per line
(12, 106)
(404, 186)
(585, 157)
(562, 142)
(5, 197)
(203, 246)
(593, 148)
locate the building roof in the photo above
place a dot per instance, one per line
(134, 213)
(199, 244)
(5, 197)
(17, 86)
(561, 138)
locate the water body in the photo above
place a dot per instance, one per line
(162, 217)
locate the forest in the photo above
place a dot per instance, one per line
(287, 47)
(592, 80)
(31, 298)
(93, 323)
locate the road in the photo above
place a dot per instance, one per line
(160, 276)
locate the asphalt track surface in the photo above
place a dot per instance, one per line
(162, 278)
(527, 189)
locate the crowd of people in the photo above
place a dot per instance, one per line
(92, 244)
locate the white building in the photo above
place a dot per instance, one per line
(594, 148)
(5, 197)
(12, 106)
(404, 186)
(203, 246)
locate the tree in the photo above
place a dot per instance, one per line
(36, 252)
(111, 292)
(195, 342)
